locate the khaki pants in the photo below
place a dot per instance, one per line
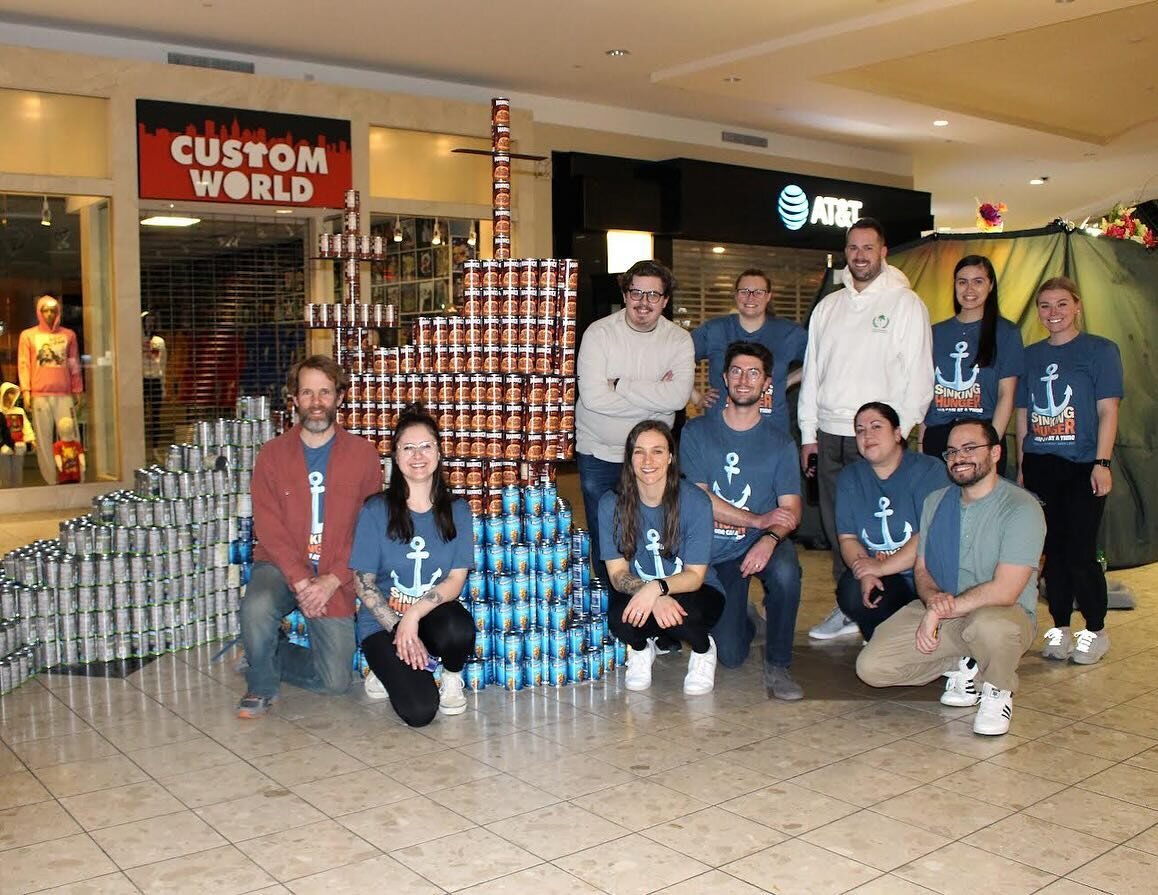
(996, 636)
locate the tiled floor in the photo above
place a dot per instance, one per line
(150, 784)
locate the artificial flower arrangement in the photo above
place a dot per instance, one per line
(1121, 224)
(990, 216)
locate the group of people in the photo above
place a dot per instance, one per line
(935, 554)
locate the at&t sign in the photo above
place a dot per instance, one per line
(829, 211)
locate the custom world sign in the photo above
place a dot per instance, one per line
(215, 154)
(829, 211)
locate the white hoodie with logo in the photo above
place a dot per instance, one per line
(872, 345)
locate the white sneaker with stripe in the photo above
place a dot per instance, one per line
(995, 711)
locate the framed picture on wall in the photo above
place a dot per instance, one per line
(425, 264)
(409, 266)
(409, 304)
(441, 297)
(426, 297)
(442, 261)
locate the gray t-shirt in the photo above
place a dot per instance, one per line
(1005, 526)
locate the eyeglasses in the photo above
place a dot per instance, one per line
(751, 373)
(966, 450)
(752, 293)
(422, 447)
(651, 297)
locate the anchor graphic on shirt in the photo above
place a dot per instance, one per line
(1053, 408)
(887, 545)
(317, 489)
(958, 384)
(654, 547)
(732, 467)
(418, 554)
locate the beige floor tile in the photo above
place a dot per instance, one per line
(543, 879)
(1114, 745)
(10, 763)
(890, 885)
(307, 850)
(557, 830)
(492, 798)
(88, 776)
(1039, 844)
(1031, 724)
(352, 792)
(889, 717)
(914, 760)
(644, 755)
(999, 786)
(222, 783)
(877, 841)
(778, 758)
(30, 824)
(259, 815)
(1147, 759)
(1097, 815)
(54, 863)
(439, 770)
(800, 868)
(573, 775)
(1068, 887)
(617, 867)
(405, 823)
(145, 734)
(789, 808)
(182, 757)
(959, 869)
(253, 739)
(392, 743)
(508, 753)
(1051, 762)
(83, 746)
(21, 788)
(775, 718)
(308, 764)
(714, 836)
(223, 871)
(1123, 871)
(840, 738)
(156, 839)
(958, 736)
(379, 874)
(1128, 719)
(108, 884)
(941, 811)
(852, 780)
(121, 804)
(465, 859)
(639, 804)
(52, 722)
(1147, 841)
(711, 735)
(714, 881)
(712, 780)
(585, 731)
(1130, 784)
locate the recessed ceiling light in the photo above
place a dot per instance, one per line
(617, 52)
(732, 79)
(169, 220)
(718, 250)
(283, 211)
(1038, 181)
(941, 122)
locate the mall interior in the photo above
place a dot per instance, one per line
(192, 278)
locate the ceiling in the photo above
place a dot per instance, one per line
(1057, 88)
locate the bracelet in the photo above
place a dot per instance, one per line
(775, 537)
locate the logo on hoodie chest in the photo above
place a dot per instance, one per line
(880, 323)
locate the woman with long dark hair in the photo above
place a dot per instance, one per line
(412, 551)
(655, 536)
(878, 516)
(977, 359)
(1067, 421)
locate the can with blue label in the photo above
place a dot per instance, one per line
(562, 584)
(580, 543)
(533, 643)
(550, 526)
(522, 615)
(546, 559)
(482, 645)
(608, 657)
(543, 614)
(499, 671)
(513, 675)
(562, 554)
(576, 668)
(496, 557)
(480, 555)
(480, 611)
(532, 673)
(493, 529)
(474, 675)
(578, 606)
(521, 586)
(511, 500)
(521, 559)
(620, 653)
(513, 647)
(560, 616)
(557, 644)
(599, 599)
(504, 617)
(577, 638)
(533, 500)
(594, 661)
(476, 587)
(564, 514)
(512, 526)
(503, 589)
(558, 672)
(533, 529)
(477, 528)
(599, 629)
(546, 588)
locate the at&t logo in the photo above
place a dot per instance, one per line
(830, 211)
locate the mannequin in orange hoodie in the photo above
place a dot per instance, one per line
(50, 377)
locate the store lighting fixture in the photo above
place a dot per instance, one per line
(718, 250)
(618, 52)
(283, 211)
(397, 229)
(472, 238)
(941, 122)
(169, 220)
(625, 247)
(436, 239)
(45, 214)
(1038, 181)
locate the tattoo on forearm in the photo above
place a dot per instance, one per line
(626, 583)
(366, 585)
(433, 596)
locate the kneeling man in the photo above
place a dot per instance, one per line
(976, 576)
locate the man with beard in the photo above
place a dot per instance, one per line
(308, 486)
(976, 576)
(747, 465)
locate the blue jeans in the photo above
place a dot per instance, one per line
(596, 478)
(323, 668)
(781, 583)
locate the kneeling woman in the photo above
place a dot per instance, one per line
(412, 550)
(656, 537)
(878, 513)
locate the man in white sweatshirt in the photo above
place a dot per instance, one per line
(633, 365)
(870, 341)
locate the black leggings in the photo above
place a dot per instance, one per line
(898, 592)
(1072, 517)
(704, 608)
(446, 632)
(936, 439)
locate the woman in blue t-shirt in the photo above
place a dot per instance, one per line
(1067, 420)
(878, 516)
(977, 359)
(655, 535)
(412, 551)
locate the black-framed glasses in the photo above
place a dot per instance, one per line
(752, 374)
(752, 293)
(650, 296)
(966, 450)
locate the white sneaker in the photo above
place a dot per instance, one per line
(960, 689)
(451, 699)
(1090, 646)
(638, 676)
(836, 625)
(995, 711)
(374, 688)
(1059, 644)
(701, 676)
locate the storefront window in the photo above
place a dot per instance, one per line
(57, 383)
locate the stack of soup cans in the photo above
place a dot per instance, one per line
(152, 570)
(539, 619)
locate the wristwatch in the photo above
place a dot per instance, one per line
(1102, 462)
(775, 537)
(664, 590)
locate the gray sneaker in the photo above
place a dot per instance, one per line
(1090, 646)
(1058, 644)
(778, 683)
(836, 625)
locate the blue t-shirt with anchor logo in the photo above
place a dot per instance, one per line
(412, 567)
(960, 387)
(1060, 393)
(751, 470)
(885, 513)
(650, 561)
